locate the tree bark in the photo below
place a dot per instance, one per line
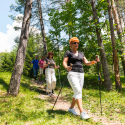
(20, 58)
(119, 32)
(107, 80)
(115, 57)
(42, 27)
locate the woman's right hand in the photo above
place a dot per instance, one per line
(48, 63)
(68, 68)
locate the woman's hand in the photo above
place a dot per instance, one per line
(57, 66)
(68, 68)
(97, 58)
(48, 63)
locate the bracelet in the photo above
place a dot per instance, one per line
(93, 62)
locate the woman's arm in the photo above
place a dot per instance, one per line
(65, 60)
(88, 63)
(56, 67)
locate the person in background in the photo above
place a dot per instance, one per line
(35, 66)
(76, 74)
(40, 63)
(50, 66)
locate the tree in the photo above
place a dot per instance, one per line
(42, 26)
(5, 62)
(20, 58)
(119, 32)
(115, 57)
(107, 80)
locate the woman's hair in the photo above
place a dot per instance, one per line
(43, 57)
(49, 53)
(73, 39)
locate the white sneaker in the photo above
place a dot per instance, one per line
(84, 115)
(72, 111)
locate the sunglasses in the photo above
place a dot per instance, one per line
(75, 43)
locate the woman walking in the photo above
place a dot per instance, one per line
(50, 66)
(41, 61)
(76, 74)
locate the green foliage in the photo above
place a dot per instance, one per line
(29, 107)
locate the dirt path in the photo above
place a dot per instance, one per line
(63, 104)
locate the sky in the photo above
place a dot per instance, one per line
(7, 33)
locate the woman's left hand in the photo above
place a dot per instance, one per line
(58, 66)
(97, 58)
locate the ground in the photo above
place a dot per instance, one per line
(63, 104)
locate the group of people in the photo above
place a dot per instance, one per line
(73, 63)
(47, 67)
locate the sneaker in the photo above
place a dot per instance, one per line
(72, 111)
(84, 116)
(49, 94)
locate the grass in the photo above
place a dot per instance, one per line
(28, 109)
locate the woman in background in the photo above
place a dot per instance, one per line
(50, 66)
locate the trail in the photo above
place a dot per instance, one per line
(63, 104)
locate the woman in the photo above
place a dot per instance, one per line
(50, 65)
(41, 61)
(76, 74)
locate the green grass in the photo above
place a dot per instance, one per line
(28, 109)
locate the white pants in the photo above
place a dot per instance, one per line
(50, 79)
(76, 81)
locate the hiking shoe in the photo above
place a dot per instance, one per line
(72, 111)
(84, 116)
(50, 94)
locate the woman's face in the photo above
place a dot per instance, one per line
(74, 45)
(51, 55)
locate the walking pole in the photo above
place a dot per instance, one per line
(61, 89)
(46, 84)
(59, 76)
(99, 81)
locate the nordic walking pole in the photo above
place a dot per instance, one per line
(99, 80)
(48, 72)
(59, 76)
(60, 89)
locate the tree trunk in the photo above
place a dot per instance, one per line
(20, 58)
(115, 57)
(42, 27)
(119, 32)
(107, 80)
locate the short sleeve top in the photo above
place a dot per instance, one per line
(41, 63)
(52, 63)
(77, 61)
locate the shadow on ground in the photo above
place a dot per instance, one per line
(4, 84)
